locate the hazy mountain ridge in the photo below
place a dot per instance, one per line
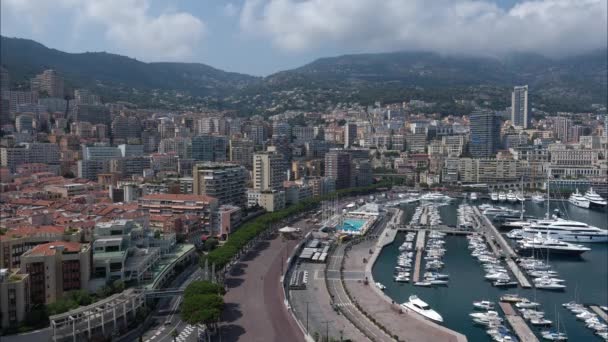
(579, 80)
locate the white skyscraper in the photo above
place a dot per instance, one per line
(519, 107)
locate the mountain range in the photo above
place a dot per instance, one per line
(581, 78)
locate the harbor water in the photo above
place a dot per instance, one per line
(586, 278)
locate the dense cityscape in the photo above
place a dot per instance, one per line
(302, 214)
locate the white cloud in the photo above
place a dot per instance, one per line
(127, 24)
(552, 27)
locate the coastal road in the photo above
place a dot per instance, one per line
(346, 306)
(255, 308)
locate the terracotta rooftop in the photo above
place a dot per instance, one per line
(178, 197)
(50, 248)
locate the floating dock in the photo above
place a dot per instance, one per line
(599, 312)
(419, 249)
(521, 329)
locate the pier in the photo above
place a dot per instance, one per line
(506, 248)
(599, 312)
(519, 275)
(500, 247)
(419, 249)
(521, 329)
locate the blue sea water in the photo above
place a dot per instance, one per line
(586, 278)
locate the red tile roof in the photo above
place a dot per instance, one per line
(179, 197)
(45, 248)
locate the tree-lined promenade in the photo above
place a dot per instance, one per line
(224, 254)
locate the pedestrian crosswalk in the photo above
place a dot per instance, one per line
(183, 335)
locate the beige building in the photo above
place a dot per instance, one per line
(269, 171)
(226, 182)
(14, 297)
(55, 268)
(49, 82)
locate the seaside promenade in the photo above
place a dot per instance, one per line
(404, 326)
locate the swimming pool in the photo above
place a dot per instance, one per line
(352, 225)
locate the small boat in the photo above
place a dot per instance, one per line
(538, 198)
(549, 285)
(511, 298)
(520, 197)
(494, 197)
(423, 283)
(554, 335)
(540, 321)
(504, 283)
(380, 286)
(526, 304)
(418, 305)
(436, 275)
(437, 281)
(473, 196)
(483, 305)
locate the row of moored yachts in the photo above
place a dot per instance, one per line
(495, 271)
(543, 276)
(591, 319)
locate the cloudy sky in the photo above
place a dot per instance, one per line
(264, 36)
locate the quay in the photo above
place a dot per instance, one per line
(500, 247)
(419, 249)
(599, 312)
(522, 330)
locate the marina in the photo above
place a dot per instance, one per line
(467, 283)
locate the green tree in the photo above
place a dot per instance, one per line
(203, 287)
(211, 243)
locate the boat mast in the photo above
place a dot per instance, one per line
(548, 196)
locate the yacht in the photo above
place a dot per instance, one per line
(473, 196)
(549, 285)
(511, 197)
(380, 286)
(552, 246)
(566, 230)
(594, 199)
(511, 298)
(553, 335)
(579, 200)
(435, 196)
(502, 196)
(483, 305)
(520, 197)
(494, 197)
(418, 305)
(538, 198)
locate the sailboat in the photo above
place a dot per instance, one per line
(554, 334)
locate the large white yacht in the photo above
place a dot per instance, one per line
(566, 230)
(494, 196)
(579, 200)
(418, 305)
(552, 246)
(511, 196)
(594, 199)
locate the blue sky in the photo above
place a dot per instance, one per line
(264, 36)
